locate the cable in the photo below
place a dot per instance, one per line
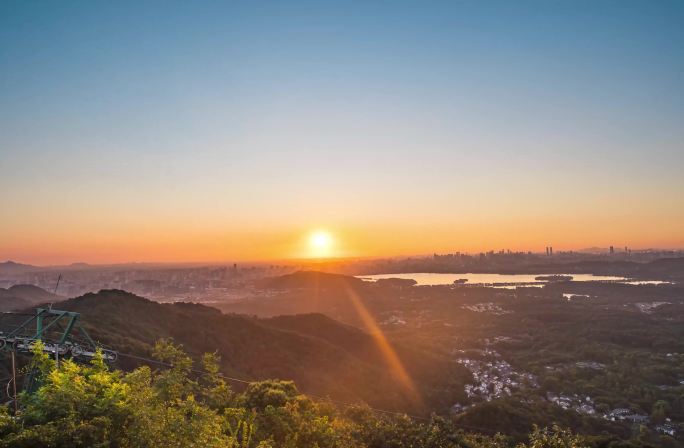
(166, 364)
(141, 358)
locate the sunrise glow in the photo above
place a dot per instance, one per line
(320, 244)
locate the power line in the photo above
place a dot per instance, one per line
(141, 358)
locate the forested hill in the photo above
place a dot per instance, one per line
(312, 280)
(321, 355)
(23, 296)
(313, 292)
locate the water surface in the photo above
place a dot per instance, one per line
(511, 280)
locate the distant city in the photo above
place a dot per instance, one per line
(211, 283)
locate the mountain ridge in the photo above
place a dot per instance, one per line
(323, 356)
(22, 296)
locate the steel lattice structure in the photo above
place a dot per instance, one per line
(59, 331)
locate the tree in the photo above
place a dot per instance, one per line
(91, 406)
(659, 411)
(556, 437)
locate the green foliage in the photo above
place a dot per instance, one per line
(555, 438)
(659, 413)
(91, 406)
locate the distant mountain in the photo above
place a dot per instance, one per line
(311, 280)
(13, 268)
(33, 293)
(322, 356)
(18, 297)
(309, 292)
(80, 265)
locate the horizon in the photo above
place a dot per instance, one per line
(235, 132)
(335, 259)
(61, 261)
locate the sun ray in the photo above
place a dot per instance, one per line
(388, 352)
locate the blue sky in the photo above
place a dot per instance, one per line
(340, 114)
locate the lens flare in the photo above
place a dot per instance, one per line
(386, 349)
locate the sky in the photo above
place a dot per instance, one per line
(229, 131)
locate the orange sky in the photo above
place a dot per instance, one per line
(208, 244)
(195, 222)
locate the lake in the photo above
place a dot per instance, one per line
(432, 279)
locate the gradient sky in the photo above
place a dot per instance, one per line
(221, 131)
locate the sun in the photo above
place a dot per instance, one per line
(320, 243)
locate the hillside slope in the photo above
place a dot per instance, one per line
(321, 355)
(23, 296)
(304, 292)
